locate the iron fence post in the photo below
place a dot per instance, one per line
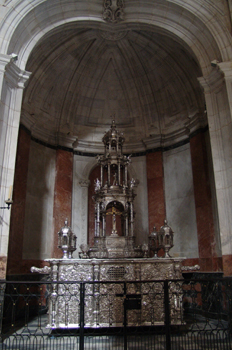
(82, 316)
(167, 315)
(125, 318)
(2, 291)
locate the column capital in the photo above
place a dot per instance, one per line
(226, 69)
(15, 76)
(4, 60)
(212, 81)
(84, 183)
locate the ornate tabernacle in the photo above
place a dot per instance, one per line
(114, 197)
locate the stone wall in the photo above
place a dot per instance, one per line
(51, 185)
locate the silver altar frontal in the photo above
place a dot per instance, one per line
(104, 301)
(115, 272)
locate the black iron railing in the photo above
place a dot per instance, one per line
(165, 314)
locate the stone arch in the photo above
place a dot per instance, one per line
(29, 23)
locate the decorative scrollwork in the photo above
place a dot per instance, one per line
(113, 10)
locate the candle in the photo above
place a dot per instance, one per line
(10, 193)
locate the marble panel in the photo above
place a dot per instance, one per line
(207, 241)
(155, 185)
(180, 204)
(81, 170)
(154, 165)
(39, 225)
(217, 264)
(62, 195)
(141, 199)
(225, 220)
(95, 173)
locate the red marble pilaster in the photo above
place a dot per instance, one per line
(155, 188)
(62, 208)
(15, 249)
(208, 259)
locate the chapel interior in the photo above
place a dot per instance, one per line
(160, 72)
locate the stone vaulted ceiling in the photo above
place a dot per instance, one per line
(145, 78)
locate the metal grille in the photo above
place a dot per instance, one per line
(116, 273)
(175, 314)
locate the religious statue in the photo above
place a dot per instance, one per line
(97, 185)
(132, 183)
(114, 212)
(115, 182)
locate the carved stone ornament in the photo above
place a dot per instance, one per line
(113, 10)
(43, 270)
(190, 268)
(113, 36)
(84, 183)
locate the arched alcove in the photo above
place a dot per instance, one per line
(145, 70)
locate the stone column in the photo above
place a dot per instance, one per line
(119, 173)
(103, 224)
(62, 208)
(132, 219)
(125, 175)
(108, 174)
(83, 213)
(126, 223)
(101, 174)
(155, 189)
(226, 69)
(218, 97)
(97, 231)
(12, 80)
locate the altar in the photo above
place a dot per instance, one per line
(105, 294)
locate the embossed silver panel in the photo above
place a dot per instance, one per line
(104, 302)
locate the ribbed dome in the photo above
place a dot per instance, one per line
(82, 78)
